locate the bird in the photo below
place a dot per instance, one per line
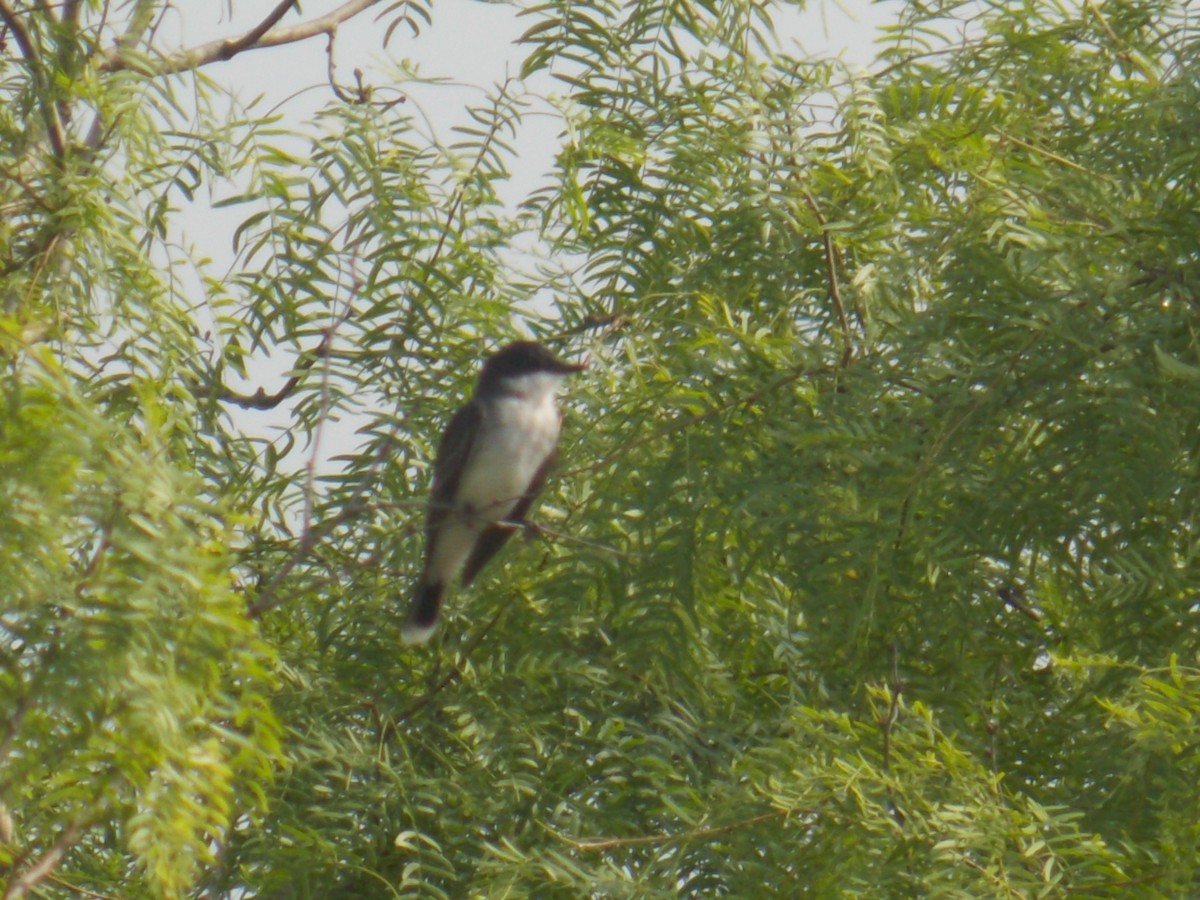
(491, 464)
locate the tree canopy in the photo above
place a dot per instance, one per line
(870, 565)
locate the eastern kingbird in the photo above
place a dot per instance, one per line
(491, 464)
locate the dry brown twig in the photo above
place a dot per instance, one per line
(265, 34)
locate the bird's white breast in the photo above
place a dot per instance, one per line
(518, 433)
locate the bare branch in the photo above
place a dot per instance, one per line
(449, 678)
(254, 39)
(260, 399)
(254, 35)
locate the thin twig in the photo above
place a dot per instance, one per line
(227, 48)
(607, 843)
(93, 564)
(260, 399)
(835, 291)
(608, 323)
(450, 677)
(535, 528)
(1011, 600)
(358, 504)
(938, 445)
(269, 597)
(235, 46)
(1094, 889)
(323, 412)
(330, 66)
(460, 191)
(889, 722)
(1061, 160)
(81, 891)
(893, 713)
(28, 189)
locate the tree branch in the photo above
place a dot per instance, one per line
(939, 444)
(607, 843)
(269, 597)
(44, 867)
(260, 399)
(1012, 600)
(70, 11)
(254, 35)
(29, 50)
(893, 713)
(449, 678)
(262, 35)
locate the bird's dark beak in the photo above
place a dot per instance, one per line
(571, 368)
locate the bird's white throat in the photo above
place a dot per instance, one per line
(518, 432)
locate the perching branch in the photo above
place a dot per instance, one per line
(254, 35)
(262, 35)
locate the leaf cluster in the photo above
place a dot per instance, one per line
(870, 566)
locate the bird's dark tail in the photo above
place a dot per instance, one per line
(423, 613)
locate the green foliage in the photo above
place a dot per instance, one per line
(135, 688)
(870, 566)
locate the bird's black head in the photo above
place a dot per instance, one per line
(522, 358)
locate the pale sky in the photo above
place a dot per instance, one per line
(471, 45)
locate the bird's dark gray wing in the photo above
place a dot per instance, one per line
(458, 441)
(493, 537)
